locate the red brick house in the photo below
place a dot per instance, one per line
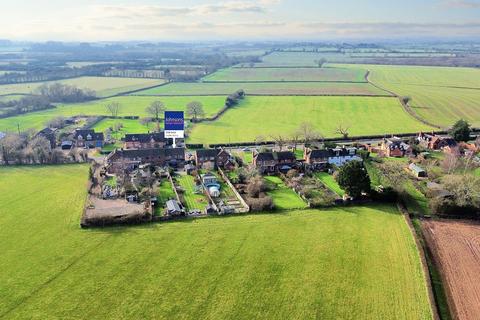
(316, 159)
(269, 162)
(435, 142)
(88, 138)
(395, 147)
(213, 158)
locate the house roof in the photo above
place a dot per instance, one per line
(145, 137)
(415, 168)
(396, 143)
(47, 131)
(284, 155)
(85, 133)
(142, 153)
(173, 206)
(207, 153)
(264, 156)
(319, 154)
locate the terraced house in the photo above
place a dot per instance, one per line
(212, 158)
(146, 140)
(269, 162)
(322, 159)
(121, 159)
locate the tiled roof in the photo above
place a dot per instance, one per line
(145, 137)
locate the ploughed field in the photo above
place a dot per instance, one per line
(456, 249)
(288, 74)
(130, 106)
(355, 263)
(273, 116)
(439, 95)
(265, 88)
(104, 86)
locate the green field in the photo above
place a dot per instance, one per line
(288, 74)
(265, 88)
(130, 106)
(283, 197)
(129, 126)
(283, 115)
(298, 59)
(104, 86)
(329, 181)
(352, 263)
(439, 95)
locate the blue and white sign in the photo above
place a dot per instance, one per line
(174, 124)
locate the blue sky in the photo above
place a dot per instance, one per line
(87, 20)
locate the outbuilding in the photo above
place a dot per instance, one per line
(417, 171)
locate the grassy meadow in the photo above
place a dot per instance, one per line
(283, 115)
(351, 263)
(288, 74)
(128, 126)
(439, 95)
(264, 88)
(104, 86)
(130, 106)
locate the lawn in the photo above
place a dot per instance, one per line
(283, 197)
(192, 200)
(440, 95)
(129, 126)
(288, 74)
(283, 115)
(130, 106)
(329, 182)
(104, 86)
(477, 172)
(265, 88)
(352, 263)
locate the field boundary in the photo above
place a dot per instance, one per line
(405, 106)
(271, 95)
(423, 260)
(280, 81)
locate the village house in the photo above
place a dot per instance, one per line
(394, 147)
(50, 134)
(210, 159)
(269, 162)
(340, 156)
(121, 159)
(321, 159)
(146, 140)
(436, 142)
(316, 159)
(88, 138)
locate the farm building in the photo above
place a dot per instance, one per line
(210, 159)
(66, 145)
(146, 140)
(417, 171)
(131, 159)
(88, 138)
(395, 147)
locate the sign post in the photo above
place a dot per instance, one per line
(174, 125)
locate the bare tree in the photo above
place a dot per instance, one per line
(259, 139)
(308, 132)
(146, 122)
(406, 100)
(113, 108)
(393, 175)
(296, 136)
(343, 130)
(156, 109)
(280, 141)
(195, 110)
(451, 162)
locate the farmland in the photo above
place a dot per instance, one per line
(130, 106)
(103, 86)
(265, 88)
(439, 95)
(128, 126)
(340, 263)
(283, 115)
(288, 74)
(455, 247)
